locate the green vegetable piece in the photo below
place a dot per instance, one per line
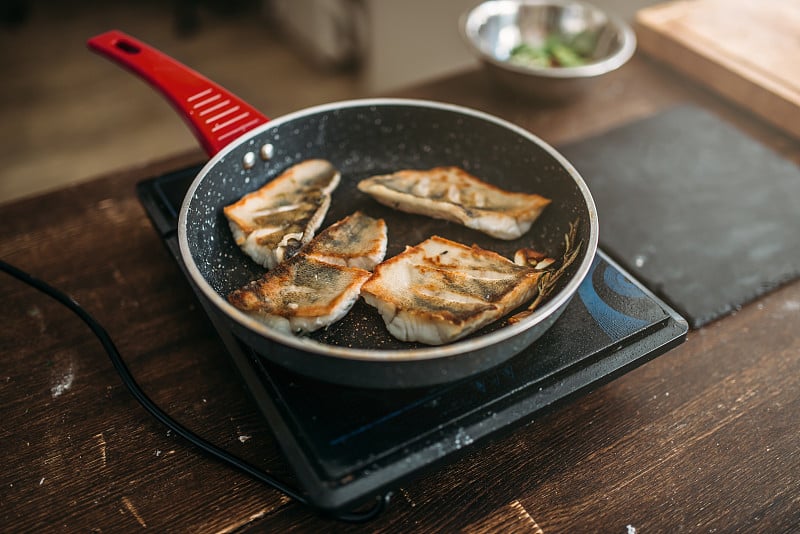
(584, 43)
(554, 53)
(528, 56)
(566, 56)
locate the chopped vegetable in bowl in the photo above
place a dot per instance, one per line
(554, 52)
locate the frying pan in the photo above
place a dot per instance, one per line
(361, 138)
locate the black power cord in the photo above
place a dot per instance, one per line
(151, 407)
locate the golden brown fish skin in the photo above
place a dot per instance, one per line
(273, 222)
(439, 290)
(317, 284)
(453, 194)
(356, 241)
(311, 290)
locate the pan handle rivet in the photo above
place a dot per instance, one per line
(267, 151)
(249, 160)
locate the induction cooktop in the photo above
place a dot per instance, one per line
(347, 445)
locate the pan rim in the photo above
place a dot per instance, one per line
(464, 346)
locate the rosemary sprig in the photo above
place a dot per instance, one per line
(547, 282)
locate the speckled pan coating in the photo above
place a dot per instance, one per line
(367, 137)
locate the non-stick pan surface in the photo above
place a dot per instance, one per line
(362, 138)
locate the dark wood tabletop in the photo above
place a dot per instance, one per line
(703, 438)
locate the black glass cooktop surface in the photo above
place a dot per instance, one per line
(347, 444)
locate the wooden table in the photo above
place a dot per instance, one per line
(702, 439)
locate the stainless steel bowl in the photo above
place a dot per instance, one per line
(494, 29)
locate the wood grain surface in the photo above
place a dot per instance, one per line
(702, 439)
(747, 51)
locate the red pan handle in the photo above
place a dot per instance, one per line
(215, 115)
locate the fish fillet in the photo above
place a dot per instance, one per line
(317, 286)
(355, 241)
(453, 194)
(274, 222)
(439, 291)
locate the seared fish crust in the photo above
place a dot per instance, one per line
(274, 222)
(317, 286)
(355, 241)
(440, 291)
(453, 194)
(301, 296)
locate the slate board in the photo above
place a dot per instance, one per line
(704, 215)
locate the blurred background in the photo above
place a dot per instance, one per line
(70, 115)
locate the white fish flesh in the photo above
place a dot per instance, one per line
(274, 222)
(317, 286)
(439, 291)
(453, 194)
